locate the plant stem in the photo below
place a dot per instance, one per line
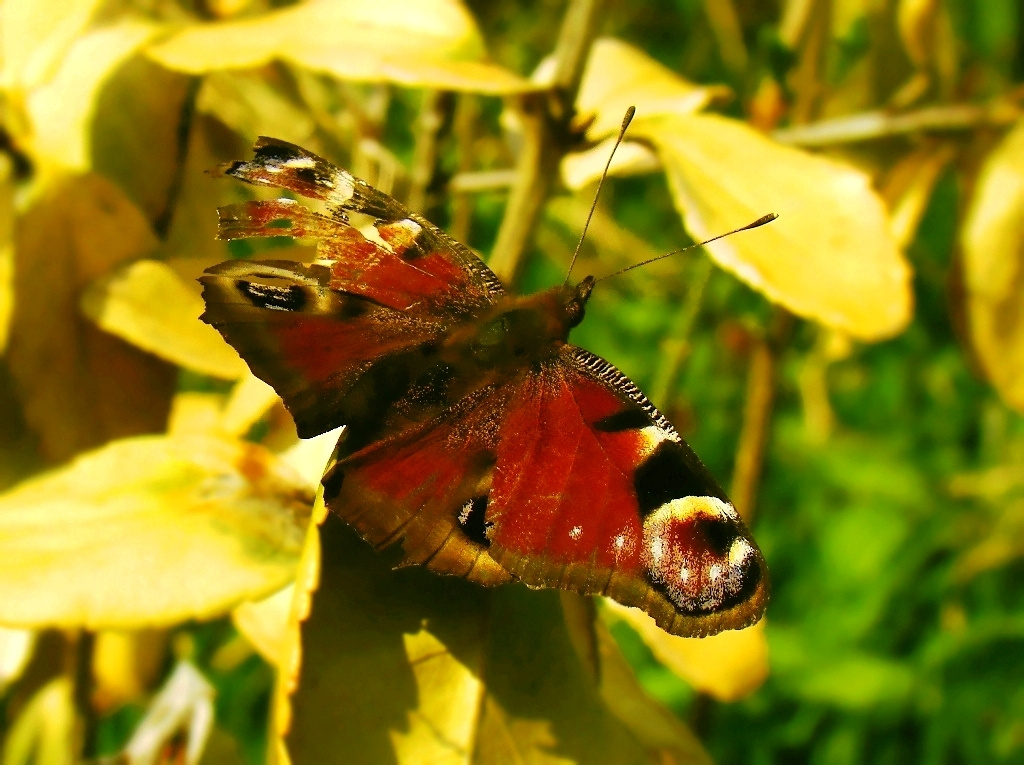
(869, 126)
(757, 413)
(547, 137)
(677, 347)
(429, 126)
(80, 650)
(467, 112)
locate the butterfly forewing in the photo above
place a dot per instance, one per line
(341, 339)
(406, 262)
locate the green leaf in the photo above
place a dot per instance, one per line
(830, 256)
(993, 242)
(150, 531)
(149, 305)
(429, 43)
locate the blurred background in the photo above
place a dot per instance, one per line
(853, 374)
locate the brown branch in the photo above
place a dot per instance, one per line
(678, 347)
(81, 646)
(806, 79)
(429, 126)
(869, 126)
(546, 139)
(757, 415)
(725, 26)
(482, 181)
(467, 112)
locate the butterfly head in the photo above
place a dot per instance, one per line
(576, 301)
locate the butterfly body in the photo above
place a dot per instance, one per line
(476, 436)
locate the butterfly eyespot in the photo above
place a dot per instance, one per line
(472, 520)
(291, 298)
(695, 548)
(662, 477)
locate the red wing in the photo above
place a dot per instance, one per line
(427, 486)
(334, 358)
(594, 491)
(342, 339)
(563, 477)
(407, 263)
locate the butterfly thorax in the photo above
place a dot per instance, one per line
(519, 330)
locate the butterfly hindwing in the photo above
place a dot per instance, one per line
(427, 487)
(594, 491)
(567, 477)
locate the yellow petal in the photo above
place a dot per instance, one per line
(15, 651)
(125, 665)
(196, 413)
(993, 243)
(250, 399)
(148, 304)
(253, 104)
(289, 649)
(658, 728)
(191, 242)
(149, 531)
(431, 43)
(135, 137)
(309, 456)
(727, 666)
(583, 167)
(6, 291)
(830, 256)
(472, 674)
(452, 686)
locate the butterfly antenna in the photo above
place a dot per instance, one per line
(622, 131)
(759, 222)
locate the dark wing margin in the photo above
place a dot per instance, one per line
(594, 491)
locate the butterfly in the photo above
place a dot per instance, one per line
(475, 435)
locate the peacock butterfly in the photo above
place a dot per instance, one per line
(475, 434)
